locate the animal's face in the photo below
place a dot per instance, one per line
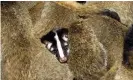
(56, 42)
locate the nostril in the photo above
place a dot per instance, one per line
(63, 60)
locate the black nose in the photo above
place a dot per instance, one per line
(63, 60)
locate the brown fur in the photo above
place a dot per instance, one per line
(25, 58)
(87, 58)
(124, 9)
(23, 55)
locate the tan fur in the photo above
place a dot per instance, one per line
(25, 58)
(123, 8)
(23, 55)
(94, 44)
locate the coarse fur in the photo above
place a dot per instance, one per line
(123, 9)
(96, 40)
(24, 57)
(101, 47)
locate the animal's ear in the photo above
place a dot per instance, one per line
(65, 37)
(111, 14)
